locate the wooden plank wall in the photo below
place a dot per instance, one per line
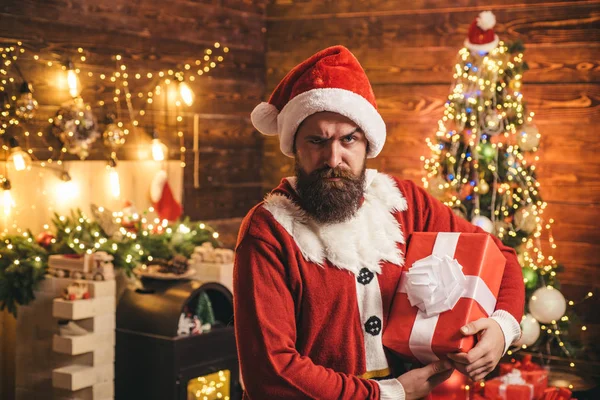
(408, 49)
(152, 36)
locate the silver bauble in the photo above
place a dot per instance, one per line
(76, 127)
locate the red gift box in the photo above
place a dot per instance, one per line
(531, 372)
(509, 387)
(423, 324)
(557, 394)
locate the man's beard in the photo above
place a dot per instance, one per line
(330, 201)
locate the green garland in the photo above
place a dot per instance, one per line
(22, 267)
(23, 263)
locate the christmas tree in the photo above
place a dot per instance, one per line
(482, 165)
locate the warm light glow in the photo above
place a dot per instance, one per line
(73, 82)
(210, 387)
(186, 93)
(19, 158)
(158, 150)
(7, 202)
(67, 190)
(115, 185)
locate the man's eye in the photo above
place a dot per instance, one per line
(316, 141)
(349, 139)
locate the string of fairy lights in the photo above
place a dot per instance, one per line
(76, 126)
(483, 160)
(148, 227)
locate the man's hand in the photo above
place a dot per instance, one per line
(419, 382)
(483, 358)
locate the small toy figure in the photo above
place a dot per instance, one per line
(76, 291)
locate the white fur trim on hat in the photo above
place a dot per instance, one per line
(341, 101)
(486, 47)
(157, 185)
(264, 118)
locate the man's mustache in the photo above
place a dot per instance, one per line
(337, 172)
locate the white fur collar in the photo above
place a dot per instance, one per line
(370, 237)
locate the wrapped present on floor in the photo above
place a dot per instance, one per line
(511, 386)
(555, 393)
(532, 373)
(449, 280)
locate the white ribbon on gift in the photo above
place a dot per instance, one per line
(513, 378)
(433, 289)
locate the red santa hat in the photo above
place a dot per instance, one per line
(481, 33)
(162, 198)
(331, 80)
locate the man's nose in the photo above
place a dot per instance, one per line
(333, 154)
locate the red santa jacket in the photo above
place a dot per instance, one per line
(311, 300)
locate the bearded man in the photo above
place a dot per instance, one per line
(318, 261)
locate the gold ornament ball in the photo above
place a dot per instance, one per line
(437, 187)
(521, 258)
(483, 187)
(529, 138)
(525, 220)
(113, 136)
(501, 227)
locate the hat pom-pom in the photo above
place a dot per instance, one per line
(486, 20)
(264, 118)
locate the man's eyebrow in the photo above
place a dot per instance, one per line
(321, 136)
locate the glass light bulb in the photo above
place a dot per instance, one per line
(73, 83)
(158, 150)
(19, 158)
(186, 93)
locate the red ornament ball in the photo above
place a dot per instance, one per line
(44, 239)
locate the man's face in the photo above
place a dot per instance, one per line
(330, 154)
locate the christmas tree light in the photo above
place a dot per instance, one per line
(482, 165)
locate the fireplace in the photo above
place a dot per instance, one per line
(154, 362)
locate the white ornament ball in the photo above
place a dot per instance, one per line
(483, 222)
(526, 220)
(529, 138)
(492, 125)
(437, 186)
(547, 304)
(530, 331)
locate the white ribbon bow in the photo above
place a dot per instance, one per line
(435, 286)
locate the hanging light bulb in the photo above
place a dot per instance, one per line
(113, 175)
(7, 201)
(159, 149)
(186, 93)
(26, 105)
(73, 80)
(18, 157)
